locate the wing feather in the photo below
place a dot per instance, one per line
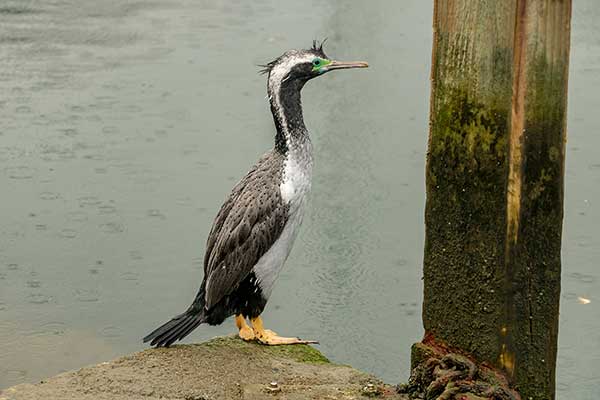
(245, 228)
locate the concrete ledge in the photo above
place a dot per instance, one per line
(222, 368)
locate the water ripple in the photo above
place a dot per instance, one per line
(49, 196)
(111, 332)
(88, 201)
(87, 295)
(112, 227)
(68, 233)
(33, 284)
(155, 214)
(20, 172)
(107, 209)
(130, 276)
(38, 298)
(49, 328)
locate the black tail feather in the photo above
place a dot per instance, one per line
(175, 333)
(190, 329)
(176, 329)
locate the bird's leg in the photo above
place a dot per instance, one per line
(246, 333)
(270, 338)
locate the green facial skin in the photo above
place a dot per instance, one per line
(319, 64)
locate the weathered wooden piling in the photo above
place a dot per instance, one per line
(495, 173)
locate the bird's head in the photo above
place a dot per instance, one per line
(300, 66)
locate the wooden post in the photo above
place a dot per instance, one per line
(495, 173)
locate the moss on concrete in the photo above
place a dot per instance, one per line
(300, 353)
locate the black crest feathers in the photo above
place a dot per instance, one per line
(318, 46)
(266, 68)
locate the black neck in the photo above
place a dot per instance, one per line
(286, 106)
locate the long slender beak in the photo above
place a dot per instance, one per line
(346, 65)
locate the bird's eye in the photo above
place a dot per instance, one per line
(316, 62)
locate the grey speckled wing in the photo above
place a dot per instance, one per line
(247, 225)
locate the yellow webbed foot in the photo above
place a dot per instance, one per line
(246, 332)
(270, 338)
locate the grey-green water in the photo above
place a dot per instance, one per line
(123, 125)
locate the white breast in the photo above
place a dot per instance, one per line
(297, 176)
(295, 186)
(270, 264)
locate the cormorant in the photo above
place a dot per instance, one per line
(255, 228)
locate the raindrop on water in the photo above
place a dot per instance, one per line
(19, 172)
(33, 284)
(23, 110)
(107, 209)
(49, 196)
(86, 295)
(70, 132)
(87, 201)
(38, 298)
(112, 227)
(130, 276)
(68, 233)
(155, 214)
(110, 332)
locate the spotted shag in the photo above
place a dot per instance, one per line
(255, 228)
